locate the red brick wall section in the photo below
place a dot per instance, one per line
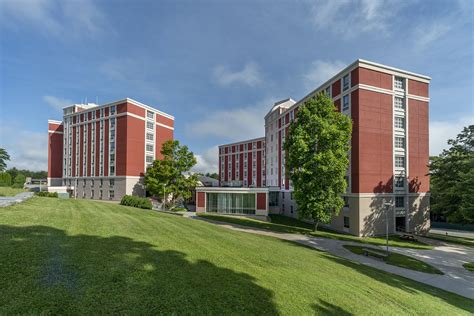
(233, 164)
(418, 146)
(241, 166)
(355, 77)
(261, 201)
(97, 148)
(259, 168)
(418, 88)
(375, 78)
(106, 146)
(135, 109)
(162, 135)
(121, 146)
(135, 146)
(336, 88)
(374, 137)
(201, 199)
(249, 168)
(164, 120)
(55, 151)
(337, 103)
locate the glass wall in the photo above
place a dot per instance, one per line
(231, 203)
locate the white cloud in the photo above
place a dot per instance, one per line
(27, 149)
(441, 131)
(348, 18)
(53, 17)
(207, 161)
(238, 123)
(249, 75)
(56, 103)
(320, 71)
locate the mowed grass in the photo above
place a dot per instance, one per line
(286, 224)
(85, 257)
(8, 191)
(399, 260)
(469, 266)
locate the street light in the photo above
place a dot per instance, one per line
(387, 206)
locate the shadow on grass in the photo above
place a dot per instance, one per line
(325, 308)
(43, 270)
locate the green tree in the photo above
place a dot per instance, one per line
(170, 178)
(5, 179)
(4, 157)
(317, 148)
(452, 179)
(19, 181)
(212, 175)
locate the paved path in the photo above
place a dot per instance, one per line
(448, 259)
(453, 232)
(10, 200)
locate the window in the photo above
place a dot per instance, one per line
(111, 182)
(112, 170)
(399, 162)
(149, 159)
(399, 142)
(150, 115)
(149, 125)
(346, 201)
(328, 91)
(112, 110)
(399, 103)
(92, 182)
(100, 194)
(345, 102)
(149, 136)
(399, 182)
(399, 201)
(84, 182)
(291, 209)
(345, 82)
(149, 147)
(399, 122)
(399, 83)
(101, 184)
(92, 194)
(346, 222)
(111, 194)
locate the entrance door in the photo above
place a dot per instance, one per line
(400, 224)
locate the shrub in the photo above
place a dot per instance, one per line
(19, 181)
(47, 194)
(135, 201)
(5, 179)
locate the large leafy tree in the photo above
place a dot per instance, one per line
(170, 177)
(452, 179)
(4, 157)
(317, 148)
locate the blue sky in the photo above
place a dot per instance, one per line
(218, 66)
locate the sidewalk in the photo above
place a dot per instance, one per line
(448, 259)
(10, 200)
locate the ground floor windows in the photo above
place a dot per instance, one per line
(231, 203)
(346, 222)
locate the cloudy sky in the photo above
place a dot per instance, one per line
(218, 66)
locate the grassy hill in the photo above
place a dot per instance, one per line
(67, 256)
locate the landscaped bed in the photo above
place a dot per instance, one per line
(284, 224)
(86, 257)
(397, 259)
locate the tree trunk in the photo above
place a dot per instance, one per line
(316, 226)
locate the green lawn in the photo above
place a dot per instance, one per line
(464, 241)
(286, 224)
(8, 191)
(84, 257)
(399, 260)
(469, 266)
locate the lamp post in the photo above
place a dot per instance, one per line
(387, 206)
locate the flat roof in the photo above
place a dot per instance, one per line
(243, 141)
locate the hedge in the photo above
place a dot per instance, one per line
(47, 194)
(135, 201)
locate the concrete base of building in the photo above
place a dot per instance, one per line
(365, 214)
(105, 188)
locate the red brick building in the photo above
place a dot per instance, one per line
(102, 151)
(242, 164)
(389, 155)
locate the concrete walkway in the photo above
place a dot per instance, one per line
(447, 258)
(452, 232)
(10, 200)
